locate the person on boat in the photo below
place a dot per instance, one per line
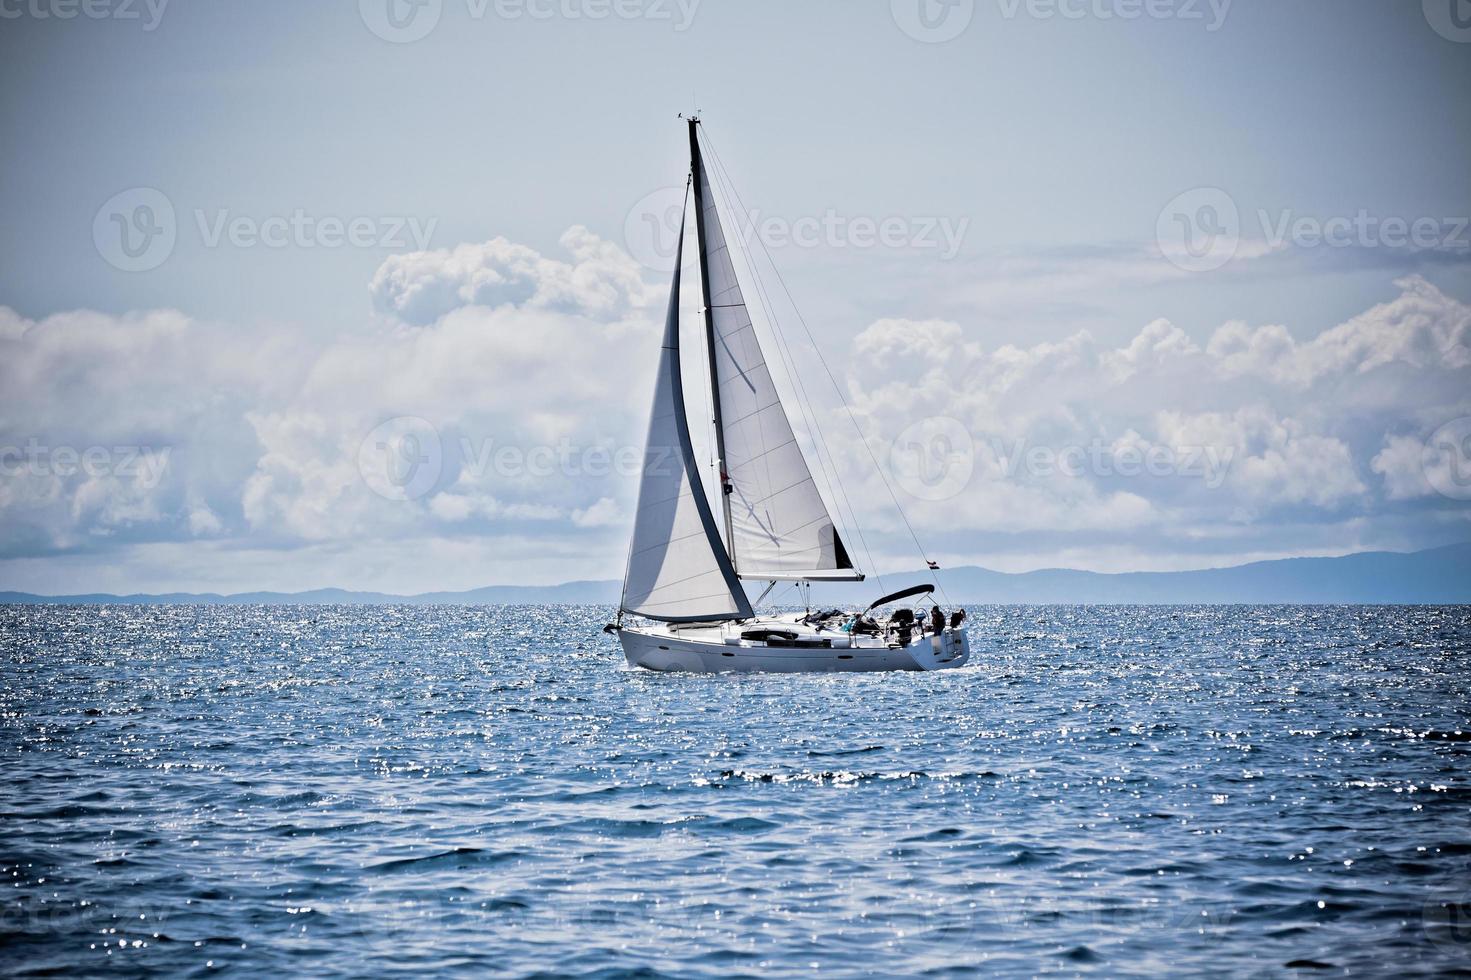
(956, 618)
(903, 623)
(937, 621)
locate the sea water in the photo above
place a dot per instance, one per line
(369, 791)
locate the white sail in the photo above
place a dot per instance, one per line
(779, 526)
(678, 571)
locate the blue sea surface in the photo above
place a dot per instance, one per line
(371, 791)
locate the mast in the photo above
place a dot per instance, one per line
(697, 169)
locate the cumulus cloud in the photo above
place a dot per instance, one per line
(115, 426)
(1401, 464)
(525, 356)
(1421, 328)
(601, 514)
(1254, 429)
(521, 376)
(457, 507)
(1155, 345)
(601, 281)
(198, 430)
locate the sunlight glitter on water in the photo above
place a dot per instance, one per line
(347, 790)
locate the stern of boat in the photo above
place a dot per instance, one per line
(942, 651)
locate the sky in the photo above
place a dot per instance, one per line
(367, 293)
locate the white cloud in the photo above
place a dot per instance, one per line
(454, 508)
(1254, 428)
(521, 366)
(1421, 328)
(601, 514)
(602, 281)
(1156, 344)
(1401, 464)
(204, 522)
(261, 430)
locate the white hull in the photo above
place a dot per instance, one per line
(711, 650)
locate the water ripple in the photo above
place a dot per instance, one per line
(347, 791)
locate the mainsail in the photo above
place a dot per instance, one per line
(678, 571)
(777, 524)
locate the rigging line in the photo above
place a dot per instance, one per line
(787, 363)
(826, 462)
(825, 458)
(804, 403)
(781, 338)
(774, 599)
(852, 417)
(713, 222)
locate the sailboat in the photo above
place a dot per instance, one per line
(684, 582)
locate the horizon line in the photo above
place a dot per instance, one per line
(607, 582)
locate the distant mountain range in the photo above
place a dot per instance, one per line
(1440, 575)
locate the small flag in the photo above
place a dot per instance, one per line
(934, 565)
